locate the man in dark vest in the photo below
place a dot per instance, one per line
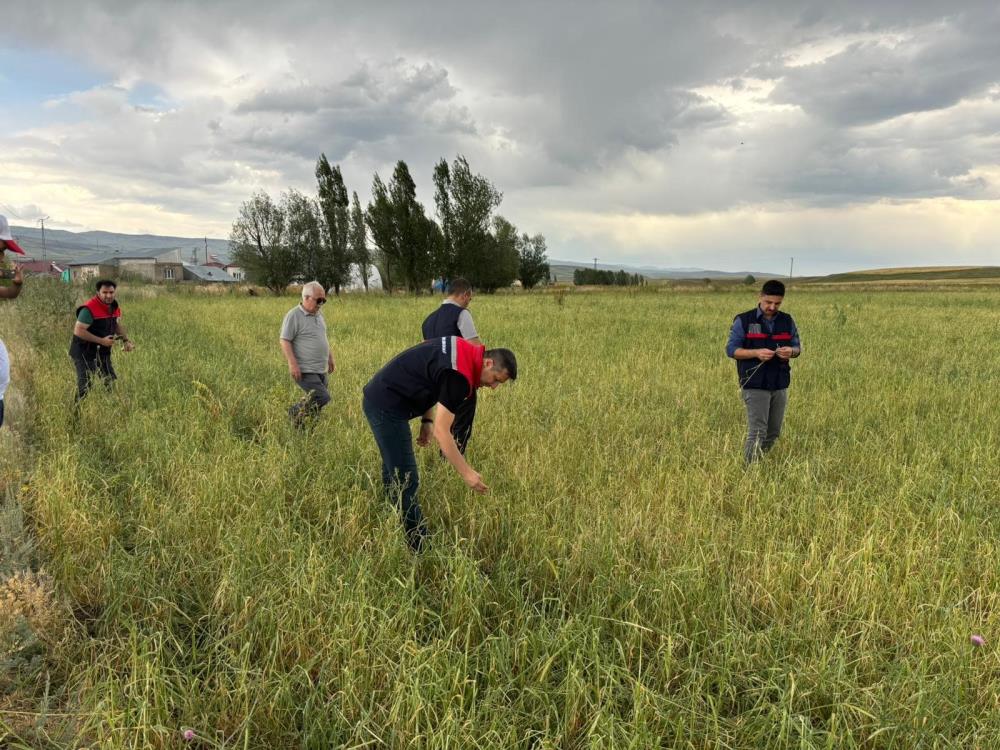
(430, 381)
(762, 341)
(98, 324)
(453, 318)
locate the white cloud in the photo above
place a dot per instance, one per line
(684, 116)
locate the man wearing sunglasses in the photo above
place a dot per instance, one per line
(307, 350)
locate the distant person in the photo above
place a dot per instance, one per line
(453, 318)
(8, 292)
(762, 341)
(98, 324)
(307, 351)
(430, 381)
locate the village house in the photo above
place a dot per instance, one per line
(237, 272)
(207, 274)
(43, 268)
(154, 265)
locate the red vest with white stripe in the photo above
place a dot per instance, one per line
(409, 385)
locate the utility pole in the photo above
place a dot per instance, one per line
(595, 264)
(206, 251)
(42, 222)
(791, 265)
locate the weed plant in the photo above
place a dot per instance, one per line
(627, 583)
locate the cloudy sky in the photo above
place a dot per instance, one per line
(713, 134)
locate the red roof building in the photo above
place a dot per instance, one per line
(41, 268)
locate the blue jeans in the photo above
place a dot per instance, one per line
(399, 468)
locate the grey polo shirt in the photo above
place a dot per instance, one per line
(465, 325)
(307, 334)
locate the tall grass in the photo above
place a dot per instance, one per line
(626, 583)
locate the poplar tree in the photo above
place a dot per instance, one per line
(303, 237)
(444, 260)
(533, 267)
(473, 199)
(403, 234)
(334, 205)
(358, 241)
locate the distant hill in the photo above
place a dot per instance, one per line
(61, 245)
(915, 273)
(563, 269)
(67, 246)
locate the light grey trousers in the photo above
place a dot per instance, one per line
(765, 413)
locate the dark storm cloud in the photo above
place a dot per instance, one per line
(874, 81)
(646, 106)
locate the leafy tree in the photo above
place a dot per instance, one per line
(336, 224)
(533, 267)
(358, 241)
(380, 220)
(494, 261)
(749, 280)
(444, 261)
(593, 276)
(429, 234)
(416, 238)
(257, 243)
(471, 202)
(401, 231)
(303, 237)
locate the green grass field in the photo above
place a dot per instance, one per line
(625, 584)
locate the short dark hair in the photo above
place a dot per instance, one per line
(459, 286)
(105, 282)
(774, 288)
(503, 359)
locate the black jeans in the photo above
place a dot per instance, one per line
(461, 428)
(88, 368)
(399, 468)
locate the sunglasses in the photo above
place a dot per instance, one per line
(319, 300)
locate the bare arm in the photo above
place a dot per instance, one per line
(82, 331)
(293, 364)
(443, 420)
(128, 344)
